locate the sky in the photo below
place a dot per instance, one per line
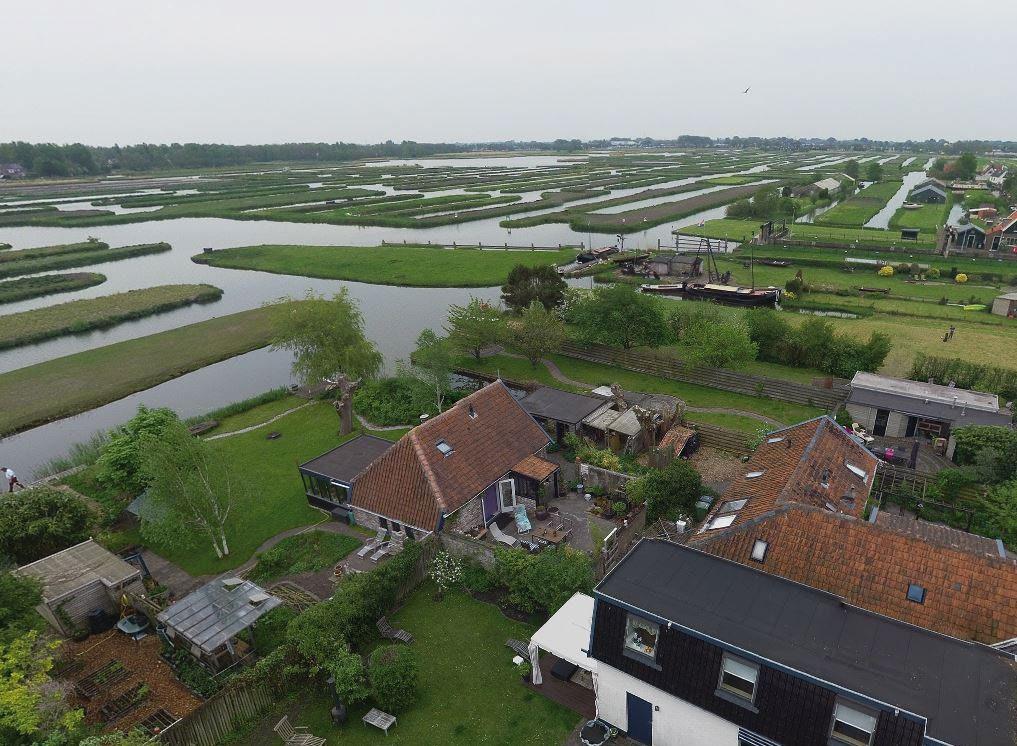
(224, 71)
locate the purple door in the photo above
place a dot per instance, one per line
(490, 503)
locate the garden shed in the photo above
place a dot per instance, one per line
(208, 622)
(561, 412)
(1005, 305)
(79, 581)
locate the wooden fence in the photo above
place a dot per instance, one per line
(223, 713)
(663, 366)
(721, 438)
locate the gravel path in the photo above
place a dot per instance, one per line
(260, 424)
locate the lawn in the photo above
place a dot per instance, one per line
(927, 218)
(744, 230)
(309, 552)
(469, 692)
(410, 266)
(857, 210)
(24, 263)
(33, 287)
(76, 383)
(694, 395)
(84, 315)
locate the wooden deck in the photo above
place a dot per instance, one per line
(577, 698)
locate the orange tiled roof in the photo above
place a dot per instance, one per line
(805, 463)
(968, 594)
(535, 467)
(413, 482)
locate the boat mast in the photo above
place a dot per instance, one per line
(752, 264)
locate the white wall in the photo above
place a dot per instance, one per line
(677, 723)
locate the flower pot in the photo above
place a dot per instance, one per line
(541, 514)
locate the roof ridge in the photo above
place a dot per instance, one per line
(781, 498)
(432, 479)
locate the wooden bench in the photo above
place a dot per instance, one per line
(390, 633)
(380, 719)
(520, 648)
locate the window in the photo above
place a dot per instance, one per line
(473, 413)
(732, 506)
(857, 471)
(853, 726)
(754, 474)
(641, 636)
(382, 522)
(721, 521)
(738, 677)
(759, 548)
(916, 593)
(444, 448)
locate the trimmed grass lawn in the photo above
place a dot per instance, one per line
(858, 209)
(76, 383)
(310, 552)
(469, 692)
(257, 415)
(694, 395)
(743, 230)
(409, 266)
(96, 313)
(927, 218)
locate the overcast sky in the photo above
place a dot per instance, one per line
(118, 71)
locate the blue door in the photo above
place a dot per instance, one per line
(640, 719)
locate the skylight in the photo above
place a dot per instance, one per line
(916, 593)
(775, 440)
(722, 521)
(732, 506)
(857, 471)
(759, 548)
(444, 448)
(754, 474)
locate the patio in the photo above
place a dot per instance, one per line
(576, 694)
(573, 513)
(927, 460)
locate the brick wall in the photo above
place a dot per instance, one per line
(464, 546)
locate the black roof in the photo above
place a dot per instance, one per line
(348, 460)
(965, 690)
(562, 406)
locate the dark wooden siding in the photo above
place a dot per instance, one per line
(792, 710)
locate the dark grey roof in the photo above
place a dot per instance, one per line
(957, 406)
(927, 186)
(562, 406)
(968, 227)
(965, 690)
(348, 460)
(217, 612)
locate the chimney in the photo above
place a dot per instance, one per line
(423, 418)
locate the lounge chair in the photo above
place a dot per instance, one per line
(372, 543)
(519, 647)
(288, 733)
(860, 432)
(391, 633)
(501, 536)
(382, 550)
(522, 520)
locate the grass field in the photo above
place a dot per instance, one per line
(385, 265)
(79, 316)
(743, 230)
(469, 692)
(307, 552)
(927, 218)
(76, 383)
(857, 210)
(64, 260)
(34, 287)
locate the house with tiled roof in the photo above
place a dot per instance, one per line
(1003, 235)
(479, 458)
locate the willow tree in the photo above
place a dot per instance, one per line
(329, 346)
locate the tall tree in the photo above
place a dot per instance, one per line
(526, 284)
(18, 598)
(475, 326)
(537, 332)
(192, 491)
(873, 171)
(327, 339)
(852, 169)
(620, 316)
(33, 707)
(37, 522)
(432, 364)
(966, 166)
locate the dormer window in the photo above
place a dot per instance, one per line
(444, 448)
(824, 480)
(473, 413)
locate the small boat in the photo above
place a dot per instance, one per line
(774, 262)
(912, 206)
(728, 295)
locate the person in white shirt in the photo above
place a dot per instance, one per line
(12, 478)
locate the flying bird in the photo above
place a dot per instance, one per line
(746, 90)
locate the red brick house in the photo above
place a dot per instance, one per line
(481, 457)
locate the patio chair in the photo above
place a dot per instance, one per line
(860, 432)
(382, 550)
(372, 543)
(501, 536)
(391, 633)
(522, 520)
(288, 733)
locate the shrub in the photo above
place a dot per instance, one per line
(393, 675)
(933, 273)
(668, 493)
(886, 271)
(121, 459)
(399, 400)
(974, 439)
(477, 578)
(270, 632)
(37, 522)
(966, 374)
(960, 278)
(544, 581)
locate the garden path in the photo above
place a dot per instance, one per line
(260, 424)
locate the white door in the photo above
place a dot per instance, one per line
(507, 494)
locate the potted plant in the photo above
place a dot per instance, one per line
(524, 669)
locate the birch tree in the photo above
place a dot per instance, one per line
(192, 494)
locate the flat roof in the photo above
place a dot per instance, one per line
(345, 462)
(965, 690)
(931, 396)
(68, 570)
(561, 406)
(217, 612)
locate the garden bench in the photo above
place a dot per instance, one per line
(288, 733)
(372, 543)
(384, 548)
(519, 647)
(390, 633)
(380, 719)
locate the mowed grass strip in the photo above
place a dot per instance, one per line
(76, 383)
(64, 248)
(34, 287)
(83, 258)
(859, 209)
(84, 315)
(409, 266)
